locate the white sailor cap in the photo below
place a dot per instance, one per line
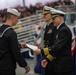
(56, 12)
(46, 10)
(14, 12)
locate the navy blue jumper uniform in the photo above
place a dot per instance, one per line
(9, 51)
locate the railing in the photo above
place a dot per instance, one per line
(63, 7)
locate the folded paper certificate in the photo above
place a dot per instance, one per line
(32, 46)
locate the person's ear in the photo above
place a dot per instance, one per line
(11, 17)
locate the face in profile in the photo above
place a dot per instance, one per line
(46, 17)
(56, 20)
(15, 20)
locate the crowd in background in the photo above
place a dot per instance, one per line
(31, 10)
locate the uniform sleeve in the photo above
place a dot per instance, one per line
(59, 44)
(15, 49)
(61, 41)
(45, 52)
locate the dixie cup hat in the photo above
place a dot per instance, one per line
(13, 11)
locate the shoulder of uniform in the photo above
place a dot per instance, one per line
(4, 30)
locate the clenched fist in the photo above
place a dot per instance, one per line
(27, 69)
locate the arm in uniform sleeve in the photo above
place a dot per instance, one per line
(60, 41)
(49, 57)
(58, 45)
(45, 52)
(15, 50)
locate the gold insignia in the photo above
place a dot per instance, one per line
(50, 57)
(46, 51)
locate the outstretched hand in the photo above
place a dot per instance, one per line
(23, 45)
(37, 51)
